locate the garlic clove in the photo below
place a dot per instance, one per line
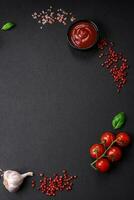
(12, 180)
(27, 174)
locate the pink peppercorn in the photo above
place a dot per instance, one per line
(51, 185)
(114, 62)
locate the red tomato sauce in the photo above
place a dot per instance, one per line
(83, 34)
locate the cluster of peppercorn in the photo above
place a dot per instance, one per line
(51, 185)
(113, 61)
(109, 150)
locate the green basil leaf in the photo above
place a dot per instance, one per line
(119, 120)
(7, 26)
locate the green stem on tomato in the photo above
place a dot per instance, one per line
(103, 155)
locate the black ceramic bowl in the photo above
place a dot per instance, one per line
(73, 25)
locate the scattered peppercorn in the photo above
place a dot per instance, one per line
(51, 185)
(114, 62)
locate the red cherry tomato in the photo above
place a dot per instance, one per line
(123, 139)
(114, 154)
(102, 165)
(96, 150)
(107, 138)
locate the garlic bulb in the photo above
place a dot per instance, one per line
(12, 180)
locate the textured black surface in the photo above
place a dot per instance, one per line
(55, 102)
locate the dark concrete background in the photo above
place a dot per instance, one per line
(55, 102)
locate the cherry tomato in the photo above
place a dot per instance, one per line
(123, 139)
(107, 138)
(114, 154)
(102, 165)
(96, 150)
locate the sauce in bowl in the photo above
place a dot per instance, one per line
(83, 34)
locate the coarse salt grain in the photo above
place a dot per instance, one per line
(51, 16)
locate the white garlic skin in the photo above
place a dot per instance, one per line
(12, 180)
